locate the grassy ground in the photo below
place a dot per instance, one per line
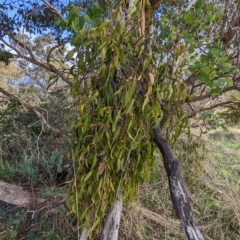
(212, 173)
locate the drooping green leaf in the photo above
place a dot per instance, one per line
(71, 53)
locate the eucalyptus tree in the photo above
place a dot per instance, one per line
(138, 68)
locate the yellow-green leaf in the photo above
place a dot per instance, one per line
(88, 176)
(71, 53)
(146, 100)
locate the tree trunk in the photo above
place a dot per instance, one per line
(112, 222)
(180, 197)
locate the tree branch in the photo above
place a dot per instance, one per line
(213, 107)
(207, 95)
(51, 50)
(17, 196)
(180, 197)
(18, 43)
(52, 8)
(167, 223)
(33, 60)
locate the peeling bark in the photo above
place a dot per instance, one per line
(111, 226)
(180, 197)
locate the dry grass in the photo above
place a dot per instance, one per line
(212, 170)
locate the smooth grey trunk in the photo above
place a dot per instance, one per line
(112, 222)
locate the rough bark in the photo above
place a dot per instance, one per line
(111, 226)
(180, 197)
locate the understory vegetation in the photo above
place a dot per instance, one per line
(211, 168)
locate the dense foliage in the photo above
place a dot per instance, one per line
(132, 66)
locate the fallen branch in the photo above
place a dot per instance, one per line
(17, 196)
(168, 223)
(180, 197)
